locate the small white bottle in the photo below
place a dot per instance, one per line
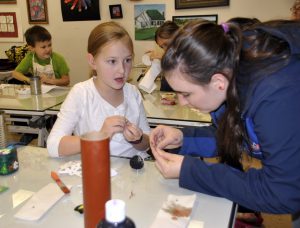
(115, 215)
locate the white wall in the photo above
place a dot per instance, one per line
(70, 38)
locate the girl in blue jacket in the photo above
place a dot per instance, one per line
(250, 83)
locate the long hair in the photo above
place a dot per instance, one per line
(201, 49)
(261, 55)
(105, 33)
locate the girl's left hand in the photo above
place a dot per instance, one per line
(168, 164)
(132, 132)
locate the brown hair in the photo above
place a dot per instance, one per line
(201, 49)
(166, 30)
(105, 33)
(36, 34)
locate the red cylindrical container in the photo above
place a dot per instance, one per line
(95, 158)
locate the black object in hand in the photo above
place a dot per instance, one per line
(136, 162)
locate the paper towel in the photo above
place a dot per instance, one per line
(148, 82)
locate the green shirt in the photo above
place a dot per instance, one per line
(59, 64)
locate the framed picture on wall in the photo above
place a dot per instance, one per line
(37, 11)
(8, 1)
(115, 11)
(11, 26)
(75, 10)
(188, 4)
(180, 20)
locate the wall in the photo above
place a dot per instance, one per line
(70, 38)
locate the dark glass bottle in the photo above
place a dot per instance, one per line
(115, 215)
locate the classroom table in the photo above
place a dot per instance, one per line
(14, 103)
(157, 113)
(173, 115)
(143, 191)
(27, 106)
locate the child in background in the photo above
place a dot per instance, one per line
(41, 61)
(105, 102)
(163, 37)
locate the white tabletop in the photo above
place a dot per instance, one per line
(149, 190)
(11, 101)
(158, 113)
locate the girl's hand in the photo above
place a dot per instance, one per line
(113, 124)
(131, 132)
(154, 54)
(168, 164)
(46, 79)
(165, 137)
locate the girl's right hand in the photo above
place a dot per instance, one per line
(154, 54)
(168, 164)
(165, 137)
(113, 124)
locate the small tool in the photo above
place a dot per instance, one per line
(60, 184)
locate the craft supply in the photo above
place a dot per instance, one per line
(115, 215)
(146, 60)
(8, 160)
(175, 212)
(40, 203)
(148, 82)
(74, 168)
(60, 184)
(95, 158)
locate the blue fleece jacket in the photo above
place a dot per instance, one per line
(271, 114)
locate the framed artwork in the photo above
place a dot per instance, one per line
(83, 10)
(8, 1)
(147, 18)
(37, 11)
(188, 4)
(115, 11)
(180, 20)
(10, 26)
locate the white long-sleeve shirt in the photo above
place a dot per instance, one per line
(84, 110)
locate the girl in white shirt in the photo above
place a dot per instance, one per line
(105, 102)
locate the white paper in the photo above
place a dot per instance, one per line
(74, 168)
(175, 212)
(148, 82)
(146, 60)
(40, 203)
(20, 196)
(47, 88)
(196, 224)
